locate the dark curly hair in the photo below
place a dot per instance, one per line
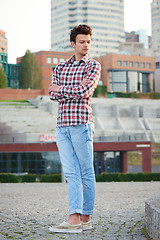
(80, 29)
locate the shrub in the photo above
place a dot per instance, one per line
(27, 178)
(103, 177)
(128, 177)
(100, 90)
(8, 178)
(155, 95)
(50, 178)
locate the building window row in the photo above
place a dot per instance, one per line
(49, 162)
(106, 22)
(105, 10)
(55, 60)
(106, 16)
(133, 64)
(105, 4)
(108, 28)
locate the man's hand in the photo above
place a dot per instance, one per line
(85, 82)
(53, 87)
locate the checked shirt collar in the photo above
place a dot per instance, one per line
(72, 59)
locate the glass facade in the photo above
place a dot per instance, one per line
(30, 162)
(49, 162)
(118, 81)
(107, 162)
(128, 81)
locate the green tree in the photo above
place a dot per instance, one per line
(30, 72)
(3, 78)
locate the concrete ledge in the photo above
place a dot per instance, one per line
(152, 215)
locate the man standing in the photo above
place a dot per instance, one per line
(73, 84)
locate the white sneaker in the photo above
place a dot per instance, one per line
(65, 227)
(87, 225)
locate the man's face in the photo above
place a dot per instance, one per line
(82, 45)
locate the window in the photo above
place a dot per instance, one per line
(107, 162)
(131, 64)
(118, 81)
(34, 162)
(148, 65)
(137, 64)
(157, 65)
(132, 81)
(118, 63)
(55, 60)
(62, 59)
(125, 63)
(142, 65)
(48, 59)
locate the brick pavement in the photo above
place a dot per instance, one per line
(28, 209)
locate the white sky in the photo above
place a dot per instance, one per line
(27, 23)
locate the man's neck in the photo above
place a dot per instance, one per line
(78, 57)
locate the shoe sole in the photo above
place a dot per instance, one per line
(65, 230)
(87, 228)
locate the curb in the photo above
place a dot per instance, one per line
(152, 217)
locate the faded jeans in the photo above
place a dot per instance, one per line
(75, 145)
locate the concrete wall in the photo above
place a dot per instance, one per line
(152, 216)
(21, 94)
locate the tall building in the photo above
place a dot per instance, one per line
(105, 17)
(3, 49)
(143, 37)
(3, 42)
(155, 12)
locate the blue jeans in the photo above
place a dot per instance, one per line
(75, 145)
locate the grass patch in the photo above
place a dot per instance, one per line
(144, 231)
(135, 158)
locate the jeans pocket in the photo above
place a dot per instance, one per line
(60, 133)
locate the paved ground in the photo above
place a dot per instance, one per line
(28, 209)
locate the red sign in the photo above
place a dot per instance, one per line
(47, 138)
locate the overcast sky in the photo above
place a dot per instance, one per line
(27, 23)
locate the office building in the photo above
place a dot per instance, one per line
(135, 48)
(127, 73)
(155, 12)
(105, 17)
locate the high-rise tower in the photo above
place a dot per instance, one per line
(3, 42)
(106, 17)
(155, 6)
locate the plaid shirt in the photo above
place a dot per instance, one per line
(75, 99)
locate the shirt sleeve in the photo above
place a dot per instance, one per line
(55, 80)
(83, 91)
(58, 97)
